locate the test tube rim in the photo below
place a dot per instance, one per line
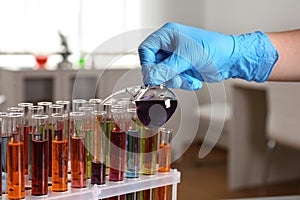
(40, 116)
(3, 114)
(77, 114)
(98, 112)
(35, 107)
(44, 103)
(56, 106)
(15, 108)
(85, 108)
(95, 100)
(167, 130)
(62, 102)
(25, 104)
(15, 115)
(59, 115)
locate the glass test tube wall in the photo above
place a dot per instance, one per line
(149, 139)
(40, 153)
(60, 154)
(118, 145)
(78, 151)
(87, 128)
(15, 156)
(133, 145)
(53, 108)
(25, 106)
(32, 110)
(99, 150)
(46, 111)
(77, 103)
(109, 124)
(164, 160)
(3, 150)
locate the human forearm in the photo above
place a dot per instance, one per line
(287, 68)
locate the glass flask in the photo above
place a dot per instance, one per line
(154, 104)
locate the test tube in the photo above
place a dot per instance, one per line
(109, 124)
(15, 157)
(77, 103)
(87, 127)
(60, 152)
(149, 139)
(99, 154)
(165, 149)
(118, 146)
(78, 151)
(95, 103)
(66, 105)
(53, 108)
(164, 160)
(66, 110)
(46, 111)
(133, 145)
(45, 105)
(27, 130)
(15, 109)
(56, 108)
(40, 153)
(32, 110)
(3, 150)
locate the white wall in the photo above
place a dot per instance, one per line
(228, 16)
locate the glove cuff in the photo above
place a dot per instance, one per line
(254, 57)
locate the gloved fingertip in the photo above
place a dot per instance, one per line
(190, 83)
(197, 85)
(175, 82)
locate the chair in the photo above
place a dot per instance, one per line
(283, 119)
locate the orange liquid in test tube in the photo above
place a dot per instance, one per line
(15, 169)
(164, 160)
(59, 165)
(78, 163)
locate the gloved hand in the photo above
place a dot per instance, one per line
(183, 57)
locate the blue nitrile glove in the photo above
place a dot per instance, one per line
(183, 56)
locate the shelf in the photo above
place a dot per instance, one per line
(115, 188)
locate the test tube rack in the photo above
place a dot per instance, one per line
(110, 189)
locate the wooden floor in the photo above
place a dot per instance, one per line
(206, 179)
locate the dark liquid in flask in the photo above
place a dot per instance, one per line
(155, 113)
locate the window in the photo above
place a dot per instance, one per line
(32, 26)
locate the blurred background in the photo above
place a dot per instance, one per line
(44, 34)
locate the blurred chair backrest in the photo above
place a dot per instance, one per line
(283, 120)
